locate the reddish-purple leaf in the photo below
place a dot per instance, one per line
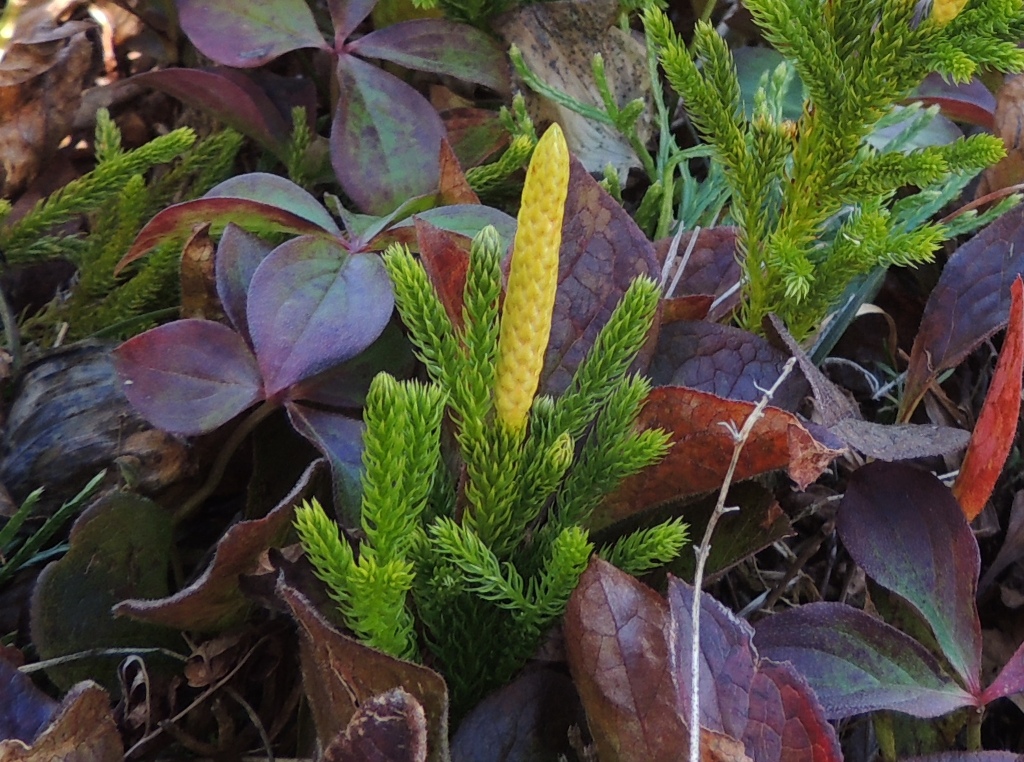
(445, 257)
(462, 219)
(996, 429)
(190, 376)
(476, 134)
(767, 706)
(228, 95)
(385, 140)
(856, 663)
(526, 720)
(906, 530)
(602, 252)
(24, 709)
(346, 16)
(340, 439)
(963, 102)
(1010, 679)
(311, 306)
(439, 46)
(178, 220)
(214, 602)
(238, 255)
(247, 35)
(390, 727)
(723, 360)
(616, 640)
(279, 192)
(970, 303)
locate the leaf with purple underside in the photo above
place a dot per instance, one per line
(238, 255)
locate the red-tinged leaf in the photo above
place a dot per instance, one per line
(453, 187)
(964, 102)
(996, 428)
(347, 15)
(602, 252)
(339, 674)
(767, 706)
(617, 644)
(856, 663)
(725, 361)
(119, 547)
(390, 727)
(247, 35)
(24, 709)
(312, 306)
(178, 220)
(445, 257)
(1010, 679)
(214, 602)
(439, 46)
(710, 269)
(968, 756)
(340, 439)
(476, 134)
(188, 377)
(278, 192)
(526, 720)
(82, 730)
(906, 530)
(970, 303)
(463, 219)
(238, 255)
(702, 449)
(385, 140)
(229, 96)
(692, 307)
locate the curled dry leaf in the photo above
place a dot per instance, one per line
(390, 727)
(558, 41)
(198, 284)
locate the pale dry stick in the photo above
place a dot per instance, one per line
(739, 438)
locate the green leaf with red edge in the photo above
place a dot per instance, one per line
(190, 376)
(856, 663)
(476, 134)
(617, 646)
(339, 674)
(439, 46)
(768, 706)
(311, 306)
(702, 449)
(461, 219)
(969, 303)
(602, 252)
(279, 192)
(385, 139)
(238, 255)
(214, 601)
(389, 727)
(906, 530)
(229, 96)
(996, 428)
(247, 35)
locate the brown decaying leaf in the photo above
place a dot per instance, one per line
(969, 303)
(711, 268)
(445, 257)
(214, 601)
(702, 448)
(453, 186)
(602, 252)
(82, 730)
(390, 727)
(692, 307)
(1009, 120)
(997, 423)
(198, 283)
(340, 674)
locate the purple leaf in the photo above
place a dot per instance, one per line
(906, 530)
(464, 219)
(190, 376)
(965, 102)
(247, 35)
(857, 664)
(228, 95)
(347, 15)
(24, 709)
(385, 140)
(439, 46)
(340, 439)
(278, 192)
(311, 306)
(1010, 679)
(769, 707)
(238, 255)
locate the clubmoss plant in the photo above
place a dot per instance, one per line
(812, 198)
(466, 567)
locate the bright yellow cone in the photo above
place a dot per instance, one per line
(533, 277)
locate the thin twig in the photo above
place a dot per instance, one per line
(704, 549)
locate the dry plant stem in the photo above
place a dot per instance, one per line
(220, 465)
(704, 549)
